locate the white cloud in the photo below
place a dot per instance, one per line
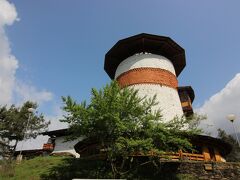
(8, 63)
(8, 13)
(25, 92)
(11, 88)
(217, 107)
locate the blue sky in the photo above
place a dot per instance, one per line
(60, 46)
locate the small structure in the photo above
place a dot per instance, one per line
(186, 95)
(57, 144)
(212, 149)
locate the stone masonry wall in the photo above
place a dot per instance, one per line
(204, 170)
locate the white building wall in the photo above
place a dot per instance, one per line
(144, 60)
(68, 146)
(167, 97)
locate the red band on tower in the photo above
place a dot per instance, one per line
(148, 76)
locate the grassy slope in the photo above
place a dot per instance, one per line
(52, 168)
(30, 169)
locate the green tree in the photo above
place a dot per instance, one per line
(17, 123)
(124, 124)
(234, 155)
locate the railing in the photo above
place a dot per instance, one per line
(90, 151)
(193, 157)
(48, 146)
(174, 156)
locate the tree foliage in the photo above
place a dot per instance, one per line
(122, 122)
(16, 123)
(234, 155)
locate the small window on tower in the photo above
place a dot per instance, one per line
(184, 97)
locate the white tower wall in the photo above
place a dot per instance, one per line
(167, 97)
(144, 60)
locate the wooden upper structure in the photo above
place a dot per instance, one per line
(186, 95)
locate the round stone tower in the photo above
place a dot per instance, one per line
(150, 64)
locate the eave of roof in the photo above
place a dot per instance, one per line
(214, 142)
(57, 133)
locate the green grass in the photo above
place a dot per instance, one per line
(52, 168)
(29, 169)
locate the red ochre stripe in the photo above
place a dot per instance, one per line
(148, 76)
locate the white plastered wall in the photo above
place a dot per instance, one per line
(168, 99)
(144, 60)
(68, 146)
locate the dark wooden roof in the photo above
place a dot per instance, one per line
(189, 90)
(225, 148)
(154, 44)
(57, 133)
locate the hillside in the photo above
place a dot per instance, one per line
(48, 168)
(29, 169)
(52, 168)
